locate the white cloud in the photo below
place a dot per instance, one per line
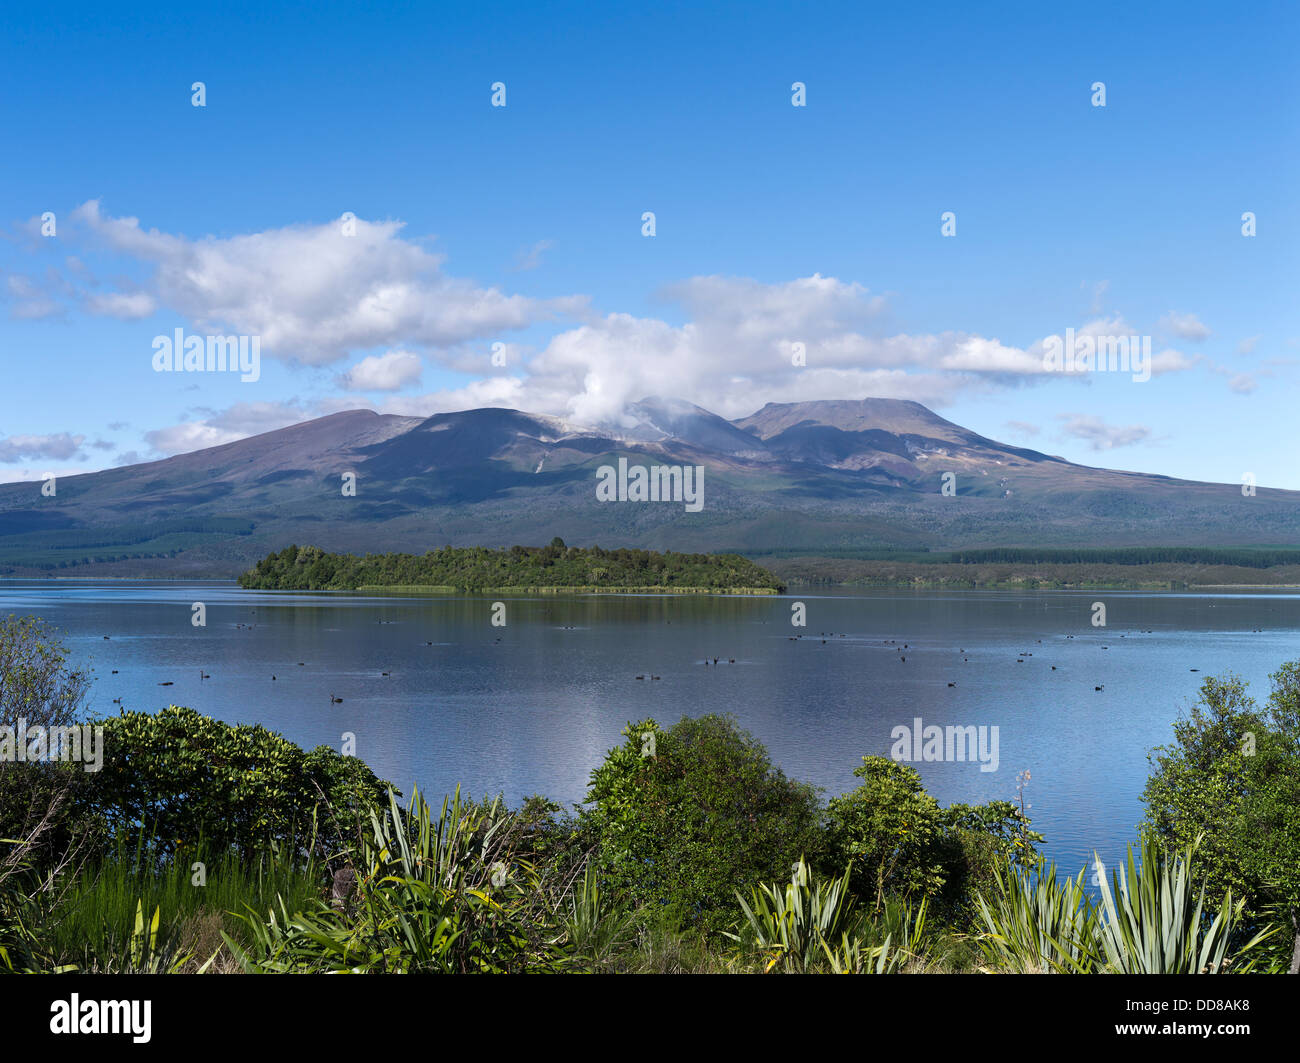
(215, 428)
(1184, 326)
(31, 302)
(128, 306)
(1099, 435)
(387, 372)
(60, 446)
(735, 353)
(314, 294)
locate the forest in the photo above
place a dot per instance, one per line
(555, 566)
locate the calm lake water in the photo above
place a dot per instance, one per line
(532, 707)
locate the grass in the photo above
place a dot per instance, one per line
(95, 910)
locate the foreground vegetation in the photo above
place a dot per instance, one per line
(206, 847)
(553, 567)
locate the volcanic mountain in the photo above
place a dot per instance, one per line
(804, 477)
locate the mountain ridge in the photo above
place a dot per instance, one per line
(830, 475)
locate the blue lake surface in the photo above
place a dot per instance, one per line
(533, 706)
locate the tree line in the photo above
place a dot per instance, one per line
(479, 568)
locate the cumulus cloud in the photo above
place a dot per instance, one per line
(1184, 326)
(387, 372)
(737, 350)
(1099, 435)
(127, 306)
(213, 428)
(314, 294)
(31, 302)
(59, 447)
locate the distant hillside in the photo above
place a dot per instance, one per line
(814, 478)
(553, 567)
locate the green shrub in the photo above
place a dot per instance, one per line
(890, 831)
(688, 815)
(1231, 778)
(186, 778)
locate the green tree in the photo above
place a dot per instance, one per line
(689, 815)
(182, 776)
(1232, 775)
(891, 830)
(40, 811)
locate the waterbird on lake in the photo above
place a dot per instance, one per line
(1097, 688)
(952, 684)
(115, 671)
(640, 677)
(204, 675)
(334, 700)
(169, 683)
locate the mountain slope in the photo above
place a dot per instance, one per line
(801, 477)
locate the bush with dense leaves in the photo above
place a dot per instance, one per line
(902, 843)
(182, 776)
(689, 815)
(1231, 778)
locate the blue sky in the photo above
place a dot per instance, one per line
(775, 224)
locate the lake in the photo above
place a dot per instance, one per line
(532, 706)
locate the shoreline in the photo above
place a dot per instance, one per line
(431, 589)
